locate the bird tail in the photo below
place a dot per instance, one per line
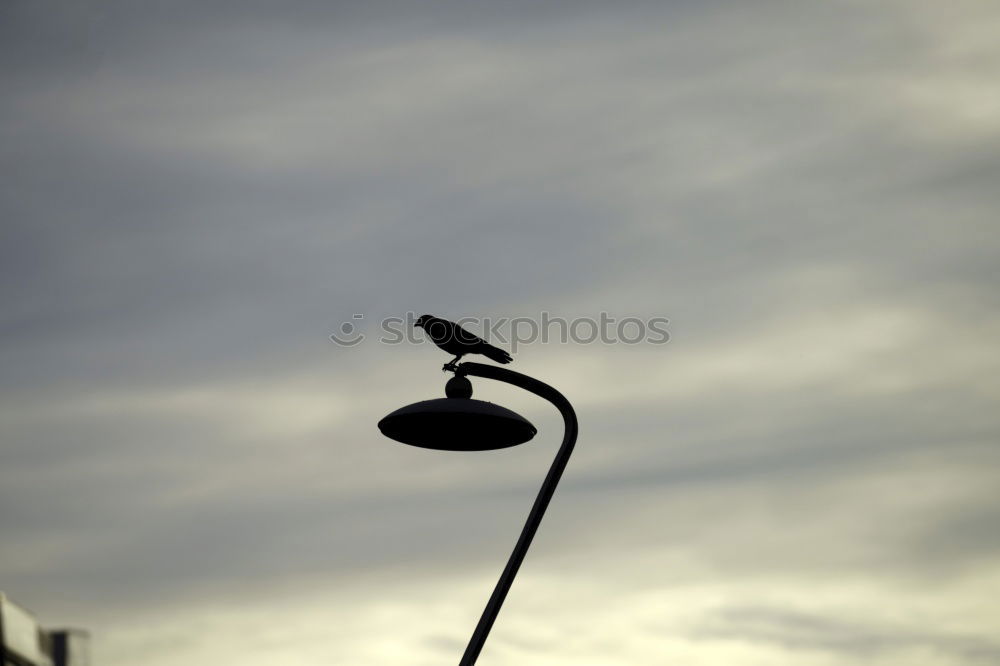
(495, 354)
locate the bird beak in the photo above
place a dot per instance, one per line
(418, 324)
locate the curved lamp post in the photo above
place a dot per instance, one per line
(459, 423)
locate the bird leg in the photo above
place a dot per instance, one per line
(452, 366)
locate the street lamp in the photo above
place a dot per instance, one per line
(459, 423)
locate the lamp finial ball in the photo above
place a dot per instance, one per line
(458, 387)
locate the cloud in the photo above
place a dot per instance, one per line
(800, 631)
(196, 196)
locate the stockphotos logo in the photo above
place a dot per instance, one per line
(511, 333)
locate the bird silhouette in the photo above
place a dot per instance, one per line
(454, 339)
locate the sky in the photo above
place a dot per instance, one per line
(196, 195)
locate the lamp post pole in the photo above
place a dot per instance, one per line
(543, 390)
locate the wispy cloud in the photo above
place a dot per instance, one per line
(197, 195)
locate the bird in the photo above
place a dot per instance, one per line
(454, 339)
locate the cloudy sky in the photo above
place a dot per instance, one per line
(195, 195)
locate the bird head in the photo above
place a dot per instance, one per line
(422, 320)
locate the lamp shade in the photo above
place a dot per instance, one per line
(457, 424)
